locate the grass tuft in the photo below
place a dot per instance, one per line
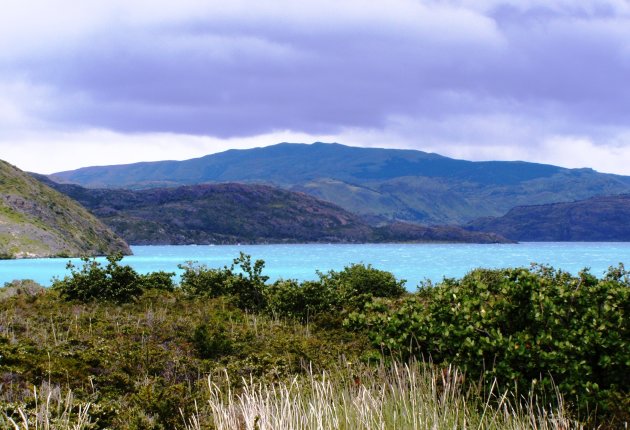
(399, 396)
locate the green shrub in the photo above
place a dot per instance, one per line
(212, 342)
(334, 292)
(303, 301)
(248, 284)
(113, 282)
(357, 285)
(521, 326)
(157, 281)
(201, 281)
(243, 280)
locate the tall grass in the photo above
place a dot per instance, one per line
(350, 397)
(53, 409)
(400, 396)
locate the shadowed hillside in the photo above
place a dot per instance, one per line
(233, 213)
(596, 219)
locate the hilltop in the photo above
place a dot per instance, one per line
(243, 213)
(37, 221)
(598, 219)
(378, 184)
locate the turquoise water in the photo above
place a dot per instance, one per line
(413, 262)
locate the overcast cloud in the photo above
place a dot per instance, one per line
(103, 82)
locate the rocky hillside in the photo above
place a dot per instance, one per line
(378, 184)
(604, 218)
(37, 221)
(240, 213)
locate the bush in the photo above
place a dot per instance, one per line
(248, 284)
(357, 284)
(334, 293)
(200, 281)
(212, 342)
(21, 288)
(521, 326)
(289, 298)
(113, 282)
(242, 280)
(157, 281)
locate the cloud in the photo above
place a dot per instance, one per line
(500, 78)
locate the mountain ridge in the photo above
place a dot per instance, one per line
(378, 184)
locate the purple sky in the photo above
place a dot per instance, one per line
(114, 81)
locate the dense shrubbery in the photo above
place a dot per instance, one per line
(114, 282)
(243, 281)
(334, 292)
(538, 326)
(527, 328)
(350, 288)
(139, 363)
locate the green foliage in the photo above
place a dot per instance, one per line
(157, 281)
(201, 281)
(357, 284)
(113, 282)
(138, 363)
(333, 294)
(248, 284)
(243, 281)
(139, 358)
(521, 326)
(212, 341)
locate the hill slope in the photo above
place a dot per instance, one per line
(233, 213)
(604, 218)
(37, 221)
(379, 184)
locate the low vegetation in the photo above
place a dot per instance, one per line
(107, 347)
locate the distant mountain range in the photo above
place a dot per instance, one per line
(233, 213)
(602, 218)
(37, 221)
(378, 184)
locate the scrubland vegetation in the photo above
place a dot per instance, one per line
(107, 347)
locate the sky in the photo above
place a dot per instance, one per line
(102, 82)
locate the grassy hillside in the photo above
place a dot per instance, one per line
(37, 221)
(602, 218)
(382, 184)
(242, 213)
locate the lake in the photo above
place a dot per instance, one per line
(413, 262)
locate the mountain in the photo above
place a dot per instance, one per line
(37, 221)
(233, 213)
(378, 184)
(602, 218)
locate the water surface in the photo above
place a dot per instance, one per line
(413, 262)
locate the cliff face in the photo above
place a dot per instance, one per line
(37, 221)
